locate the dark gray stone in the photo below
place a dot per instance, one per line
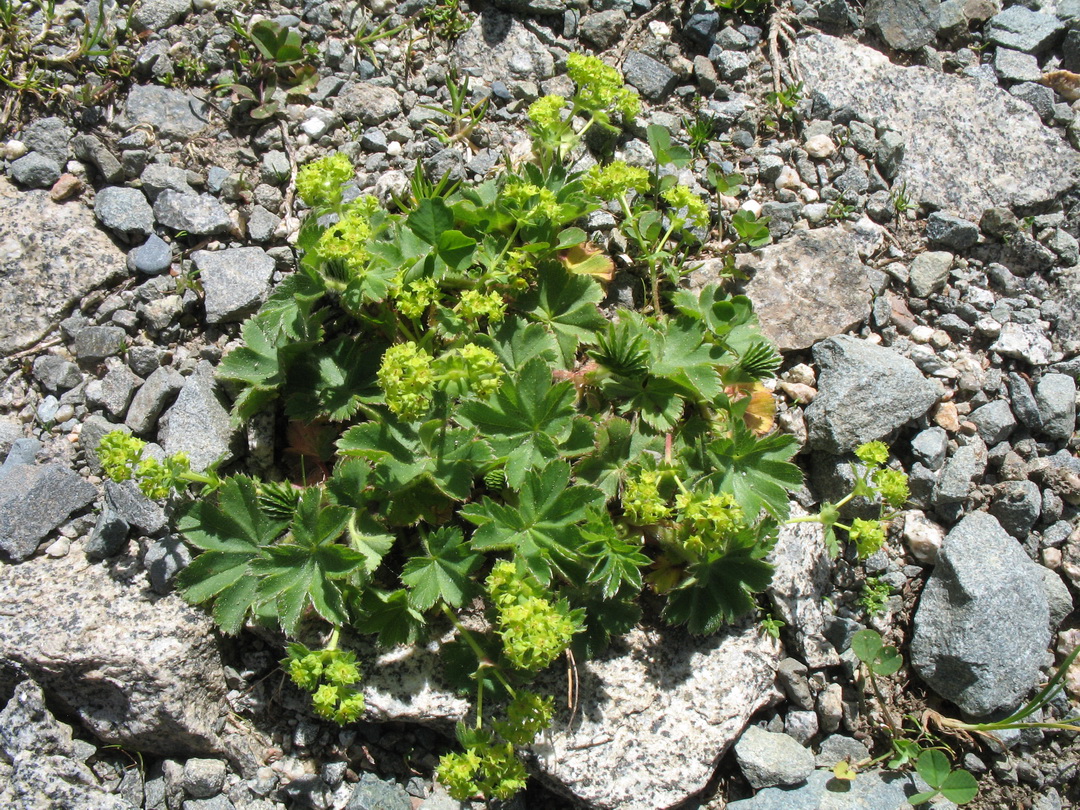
(445, 163)
(1070, 50)
(153, 257)
(91, 150)
(1058, 599)
(731, 66)
(262, 224)
(951, 232)
(165, 558)
(204, 778)
(22, 452)
(198, 214)
(125, 212)
(1024, 30)
(999, 222)
(872, 790)
(129, 503)
(109, 536)
(654, 80)
(498, 46)
(905, 25)
(930, 447)
(172, 113)
(864, 393)
(994, 420)
(962, 472)
(791, 675)
(1014, 66)
(159, 177)
(604, 28)
(889, 154)
(767, 759)
(1023, 402)
(113, 392)
(94, 343)
(197, 423)
(35, 500)
(34, 170)
(1055, 396)
(1040, 98)
(373, 793)
(39, 761)
(55, 373)
(157, 15)
(929, 271)
(368, 103)
(1017, 505)
(50, 137)
(236, 281)
(982, 625)
(837, 747)
(700, 29)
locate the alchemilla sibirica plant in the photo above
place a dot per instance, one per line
(482, 450)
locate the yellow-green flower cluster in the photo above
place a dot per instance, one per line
(872, 452)
(534, 630)
(345, 242)
(615, 180)
(527, 715)
(530, 203)
(893, 486)
(157, 479)
(474, 305)
(600, 87)
(706, 522)
(642, 501)
(406, 378)
(867, 535)
(414, 298)
(122, 459)
(322, 182)
(119, 453)
(680, 198)
(547, 111)
(484, 370)
(491, 769)
(330, 676)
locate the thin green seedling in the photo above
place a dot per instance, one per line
(840, 209)
(463, 117)
(901, 200)
(875, 596)
(700, 132)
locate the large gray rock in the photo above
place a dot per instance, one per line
(35, 500)
(1056, 398)
(865, 392)
(144, 674)
(982, 626)
(872, 790)
(1024, 30)
(172, 113)
(125, 212)
(34, 171)
(969, 145)
(801, 581)
(51, 137)
(767, 758)
(44, 770)
(368, 103)
(198, 214)
(654, 80)
(805, 288)
(156, 15)
(50, 256)
(654, 713)
(906, 25)
(500, 47)
(236, 281)
(197, 423)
